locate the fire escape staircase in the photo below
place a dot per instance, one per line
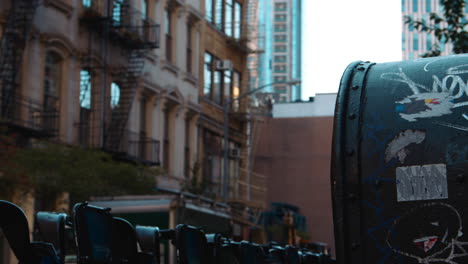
(136, 35)
(12, 46)
(128, 81)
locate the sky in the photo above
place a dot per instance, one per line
(338, 32)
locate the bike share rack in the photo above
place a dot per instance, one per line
(99, 238)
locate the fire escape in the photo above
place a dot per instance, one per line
(31, 116)
(249, 199)
(118, 24)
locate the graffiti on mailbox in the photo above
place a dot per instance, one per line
(397, 148)
(430, 233)
(446, 94)
(425, 105)
(417, 183)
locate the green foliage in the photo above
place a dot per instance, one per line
(50, 169)
(450, 27)
(12, 174)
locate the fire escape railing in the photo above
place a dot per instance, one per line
(139, 147)
(33, 115)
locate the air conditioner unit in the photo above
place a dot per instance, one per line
(235, 153)
(223, 65)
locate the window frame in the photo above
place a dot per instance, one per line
(168, 24)
(83, 94)
(216, 92)
(112, 95)
(189, 51)
(217, 13)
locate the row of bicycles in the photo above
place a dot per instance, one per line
(100, 238)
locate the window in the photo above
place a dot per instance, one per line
(280, 58)
(219, 14)
(280, 48)
(208, 73)
(219, 84)
(85, 107)
(144, 9)
(280, 89)
(280, 68)
(281, 78)
(442, 43)
(115, 95)
(52, 83)
(167, 32)
(87, 3)
(52, 76)
(189, 48)
(429, 42)
(402, 5)
(280, 6)
(280, 28)
(428, 6)
(117, 15)
(227, 85)
(280, 18)
(217, 87)
(236, 82)
(403, 42)
(209, 10)
(416, 42)
(187, 149)
(280, 38)
(166, 143)
(237, 20)
(85, 89)
(228, 18)
(415, 5)
(226, 15)
(410, 27)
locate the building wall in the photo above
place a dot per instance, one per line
(414, 43)
(322, 105)
(294, 153)
(220, 41)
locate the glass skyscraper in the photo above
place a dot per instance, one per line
(281, 21)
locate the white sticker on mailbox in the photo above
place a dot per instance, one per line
(417, 183)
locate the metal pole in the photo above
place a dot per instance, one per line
(226, 150)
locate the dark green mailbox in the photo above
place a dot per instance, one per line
(400, 162)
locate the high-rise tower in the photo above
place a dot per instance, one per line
(281, 59)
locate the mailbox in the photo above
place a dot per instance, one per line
(400, 162)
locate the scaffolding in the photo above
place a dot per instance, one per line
(118, 27)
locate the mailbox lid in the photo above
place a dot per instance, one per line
(400, 162)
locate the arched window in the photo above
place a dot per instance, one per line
(52, 77)
(85, 89)
(52, 83)
(115, 95)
